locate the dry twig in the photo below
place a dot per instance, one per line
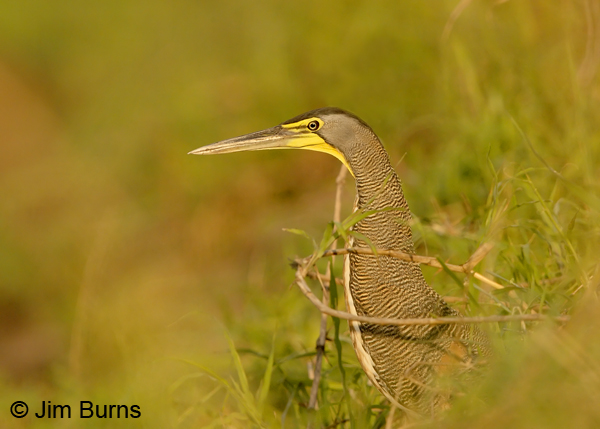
(302, 270)
(419, 321)
(466, 268)
(314, 390)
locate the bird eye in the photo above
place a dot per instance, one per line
(313, 125)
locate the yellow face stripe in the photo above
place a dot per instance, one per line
(302, 125)
(307, 139)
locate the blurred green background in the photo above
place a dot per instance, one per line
(121, 257)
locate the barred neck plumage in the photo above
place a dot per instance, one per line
(379, 188)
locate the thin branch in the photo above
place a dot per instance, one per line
(466, 268)
(478, 256)
(340, 182)
(301, 273)
(408, 257)
(314, 390)
(315, 275)
(485, 280)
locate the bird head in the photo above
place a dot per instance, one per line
(330, 130)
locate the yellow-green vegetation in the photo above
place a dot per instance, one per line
(131, 273)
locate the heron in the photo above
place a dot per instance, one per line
(400, 361)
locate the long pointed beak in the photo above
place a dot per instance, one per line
(272, 138)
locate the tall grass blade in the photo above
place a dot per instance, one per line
(266, 381)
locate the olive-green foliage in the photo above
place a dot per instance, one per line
(131, 273)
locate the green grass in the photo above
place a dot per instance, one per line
(542, 272)
(131, 273)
